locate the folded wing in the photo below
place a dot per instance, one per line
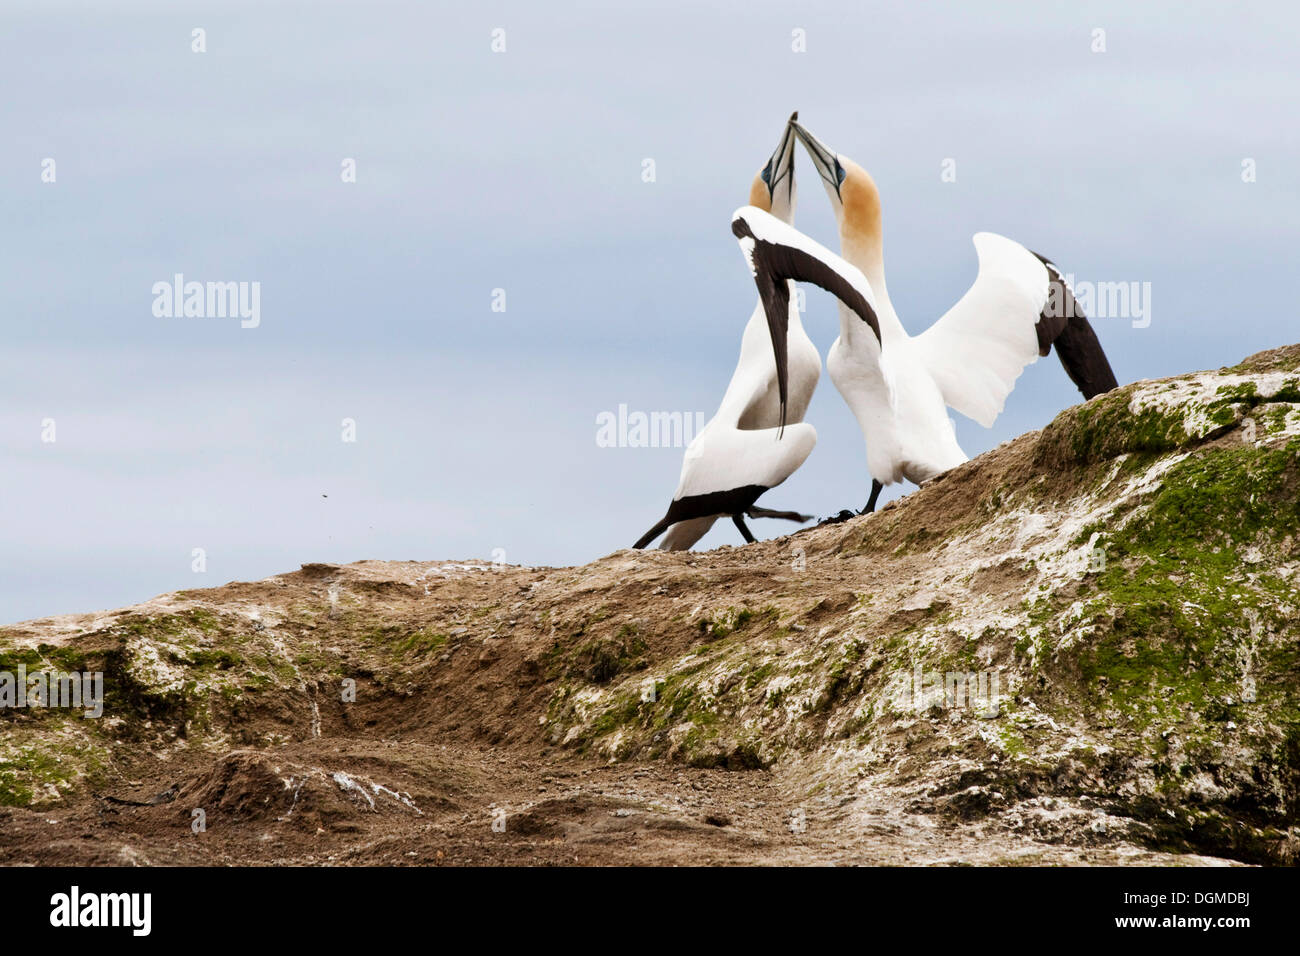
(778, 254)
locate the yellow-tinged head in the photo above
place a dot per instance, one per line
(853, 195)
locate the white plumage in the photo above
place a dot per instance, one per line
(978, 349)
(899, 386)
(743, 449)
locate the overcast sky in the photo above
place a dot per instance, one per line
(522, 170)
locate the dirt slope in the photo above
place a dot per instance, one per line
(1081, 647)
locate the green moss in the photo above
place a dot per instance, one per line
(1106, 428)
(843, 680)
(1012, 743)
(1226, 496)
(312, 661)
(674, 701)
(602, 659)
(727, 622)
(27, 772)
(170, 626)
(1289, 392)
(27, 657)
(14, 791)
(1244, 393)
(401, 642)
(1161, 630)
(421, 643)
(623, 711)
(209, 659)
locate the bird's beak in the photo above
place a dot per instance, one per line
(779, 171)
(824, 158)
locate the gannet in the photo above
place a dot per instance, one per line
(899, 386)
(744, 449)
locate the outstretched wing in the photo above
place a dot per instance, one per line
(1018, 307)
(778, 254)
(1065, 326)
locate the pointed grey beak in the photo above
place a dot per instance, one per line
(825, 160)
(779, 170)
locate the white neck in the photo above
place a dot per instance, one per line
(891, 330)
(756, 364)
(869, 258)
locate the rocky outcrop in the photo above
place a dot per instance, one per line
(1086, 638)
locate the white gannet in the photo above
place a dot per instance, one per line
(899, 386)
(743, 451)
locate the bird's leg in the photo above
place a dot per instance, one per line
(757, 512)
(740, 523)
(875, 493)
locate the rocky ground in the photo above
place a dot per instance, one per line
(1081, 647)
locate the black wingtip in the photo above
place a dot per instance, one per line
(1075, 340)
(659, 528)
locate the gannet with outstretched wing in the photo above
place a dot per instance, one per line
(899, 386)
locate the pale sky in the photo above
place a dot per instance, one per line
(522, 170)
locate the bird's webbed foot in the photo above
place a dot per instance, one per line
(843, 516)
